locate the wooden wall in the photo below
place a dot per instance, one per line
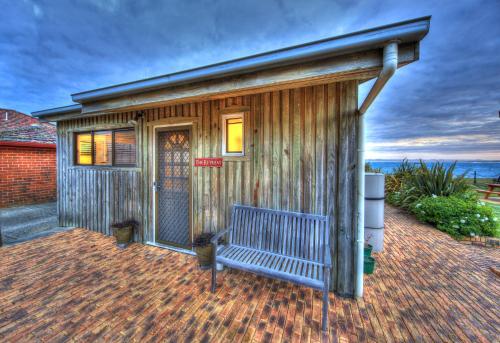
(95, 197)
(301, 156)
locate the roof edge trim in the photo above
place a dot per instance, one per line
(57, 110)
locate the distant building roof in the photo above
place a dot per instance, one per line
(19, 127)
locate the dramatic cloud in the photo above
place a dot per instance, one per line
(444, 106)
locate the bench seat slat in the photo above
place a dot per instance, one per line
(263, 259)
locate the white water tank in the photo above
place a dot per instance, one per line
(374, 210)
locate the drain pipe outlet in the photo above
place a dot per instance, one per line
(390, 64)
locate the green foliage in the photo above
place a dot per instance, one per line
(404, 197)
(459, 215)
(395, 182)
(370, 169)
(437, 180)
(437, 197)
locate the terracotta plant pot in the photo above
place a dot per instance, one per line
(123, 235)
(205, 257)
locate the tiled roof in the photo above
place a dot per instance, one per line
(19, 127)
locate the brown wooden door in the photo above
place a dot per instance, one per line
(174, 187)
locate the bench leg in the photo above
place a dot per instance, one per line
(214, 269)
(214, 277)
(326, 290)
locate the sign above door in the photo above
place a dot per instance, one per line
(210, 162)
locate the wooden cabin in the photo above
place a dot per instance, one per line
(277, 130)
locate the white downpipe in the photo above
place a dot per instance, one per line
(390, 64)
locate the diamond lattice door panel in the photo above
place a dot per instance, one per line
(173, 187)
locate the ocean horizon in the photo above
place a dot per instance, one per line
(482, 168)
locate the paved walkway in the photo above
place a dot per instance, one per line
(78, 285)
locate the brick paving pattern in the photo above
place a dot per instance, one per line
(77, 286)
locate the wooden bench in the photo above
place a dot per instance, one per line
(289, 246)
(490, 191)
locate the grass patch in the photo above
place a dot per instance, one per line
(480, 183)
(496, 213)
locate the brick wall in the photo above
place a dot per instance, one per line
(27, 175)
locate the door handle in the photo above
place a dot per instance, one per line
(155, 186)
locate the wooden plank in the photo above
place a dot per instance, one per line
(347, 188)
(298, 96)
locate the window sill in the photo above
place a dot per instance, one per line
(236, 158)
(105, 168)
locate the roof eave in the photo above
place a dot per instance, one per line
(51, 113)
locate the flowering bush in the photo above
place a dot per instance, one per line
(461, 215)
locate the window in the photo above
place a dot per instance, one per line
(84, 148)
(102, 148)
(106, 148)
(233, 135)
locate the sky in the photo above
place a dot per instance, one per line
(445, 106)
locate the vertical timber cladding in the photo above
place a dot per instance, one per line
(96, 197)
(300, 155)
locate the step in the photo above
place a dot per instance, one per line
(14, 215)
(37, 235)
(28, 228)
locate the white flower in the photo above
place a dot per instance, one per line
(481, 203)
(434, 196)
(462, 221)
(478, 215)
(418, 205)
(455, 226)
(485, 219)
(495, 219)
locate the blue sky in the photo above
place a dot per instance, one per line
(444, 106)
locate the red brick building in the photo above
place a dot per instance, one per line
(27, 159)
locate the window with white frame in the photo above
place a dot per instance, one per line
(233, 138)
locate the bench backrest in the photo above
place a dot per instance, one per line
(293, 234)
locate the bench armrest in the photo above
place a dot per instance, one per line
(215, 239)
(328, 257)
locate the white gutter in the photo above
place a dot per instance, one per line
(390, 64)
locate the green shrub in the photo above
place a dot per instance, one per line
(404, 197)
(437, 180)
(460, 215)
(395, 182)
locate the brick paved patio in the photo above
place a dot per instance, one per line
(78, 285)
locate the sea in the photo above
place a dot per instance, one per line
(483, 169)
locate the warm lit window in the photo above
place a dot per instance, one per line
(102, 148)
(233, 135)
(84, 148)
(106, 148)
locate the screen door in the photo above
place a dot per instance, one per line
(173, 188)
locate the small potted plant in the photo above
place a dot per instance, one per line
(368, 247)
(368, 265)
(368, 250)
(204, 251)
(124, 232)
(369, 261)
